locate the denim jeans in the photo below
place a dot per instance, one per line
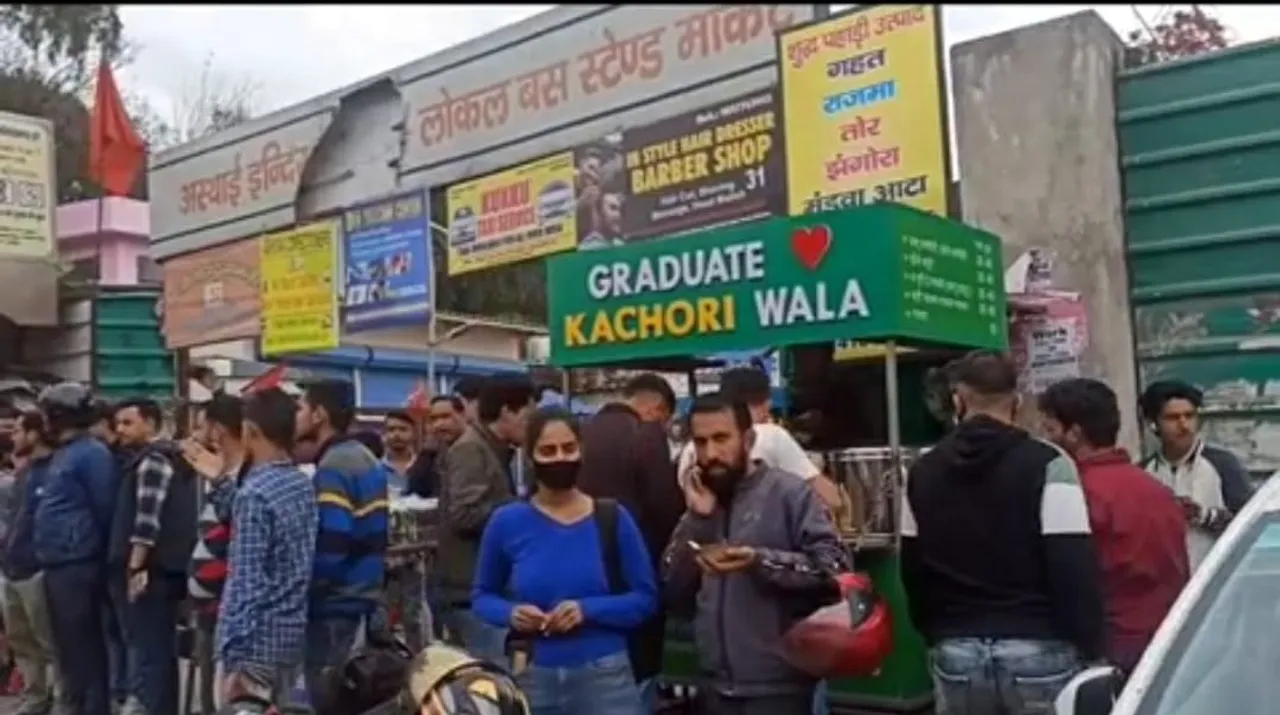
(329, 644)
(466, 630)
(602, 687)
(821, 703)
(985, 676)
(75, 594)
(150, 631)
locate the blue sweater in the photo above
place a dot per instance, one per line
(351, 498)
(74, 515)
(526, 555)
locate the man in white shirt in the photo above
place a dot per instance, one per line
(1210, 481)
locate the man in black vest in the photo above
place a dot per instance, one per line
(152, 535)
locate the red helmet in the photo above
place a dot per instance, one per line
(849, 638)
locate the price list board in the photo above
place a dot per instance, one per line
(952, 287)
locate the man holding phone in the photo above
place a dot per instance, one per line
(757, 551)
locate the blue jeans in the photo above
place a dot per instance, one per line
(821, 705)
(649, 694)
(329, 644)
(602, 687)
(75, 594)
(468, 631)
(985, 676)
(150, 631)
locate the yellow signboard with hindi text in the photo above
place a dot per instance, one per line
(28, 191)
(526, 212)
(864, 107)
(299, 297)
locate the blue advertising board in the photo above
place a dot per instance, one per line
(387, 260)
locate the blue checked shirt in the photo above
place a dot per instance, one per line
(263, 618)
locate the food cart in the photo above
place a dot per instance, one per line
(901, 278)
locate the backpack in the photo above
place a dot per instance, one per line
(374, 674)
(606, 517)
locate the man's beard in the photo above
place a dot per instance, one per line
(722, 478)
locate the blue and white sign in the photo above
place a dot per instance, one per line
(387, 261)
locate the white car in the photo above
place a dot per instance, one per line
(1218, 650)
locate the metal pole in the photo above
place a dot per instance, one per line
(431, 301)
(895, 433)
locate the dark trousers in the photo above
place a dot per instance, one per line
(151, 630)
(76, 594)
(114, 614)
(793, 704)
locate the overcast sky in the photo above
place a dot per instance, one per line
(295, 52)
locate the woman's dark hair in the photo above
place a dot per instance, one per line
(544, 416)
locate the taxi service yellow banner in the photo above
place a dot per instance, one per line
(864, 107)
(526, 212)
(299, 298)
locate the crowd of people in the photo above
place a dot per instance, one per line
(563, 546)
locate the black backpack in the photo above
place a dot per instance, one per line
(373, 675)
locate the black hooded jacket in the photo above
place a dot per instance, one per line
(996, 541)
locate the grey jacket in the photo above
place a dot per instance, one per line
(741, 617)
(476, 481)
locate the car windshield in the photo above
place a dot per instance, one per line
(1227, 659)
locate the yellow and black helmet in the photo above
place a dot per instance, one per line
(447, 681)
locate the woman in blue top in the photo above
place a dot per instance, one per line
(546, 555)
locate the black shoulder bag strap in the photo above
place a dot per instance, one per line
(606, 511)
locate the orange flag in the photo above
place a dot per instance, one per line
(116, 152)
(419, 402)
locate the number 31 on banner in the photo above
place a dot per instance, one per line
(755, 178)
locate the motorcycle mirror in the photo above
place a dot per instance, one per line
(1092, 692)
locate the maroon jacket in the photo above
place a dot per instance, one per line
(1140, 533)
(626, 459)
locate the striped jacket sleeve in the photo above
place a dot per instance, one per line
(1075, 579)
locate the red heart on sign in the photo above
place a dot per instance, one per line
(811, 245)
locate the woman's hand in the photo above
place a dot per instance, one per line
(566, 616)
(527, 619)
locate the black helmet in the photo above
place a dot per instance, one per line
(66, 405)
(448, 681)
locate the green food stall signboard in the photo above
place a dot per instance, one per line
(876, 272)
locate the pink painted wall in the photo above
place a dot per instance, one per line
(116, 230)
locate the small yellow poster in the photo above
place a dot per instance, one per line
(299, 297)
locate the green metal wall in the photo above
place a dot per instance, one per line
(1200, 141)
(129, 356)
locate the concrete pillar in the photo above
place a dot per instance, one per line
(1039, 166)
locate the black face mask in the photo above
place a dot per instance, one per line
(557, 475)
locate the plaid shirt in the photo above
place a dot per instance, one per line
(263, 618)
(155, 474)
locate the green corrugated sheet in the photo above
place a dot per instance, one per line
(130, 358)
(1200, 141)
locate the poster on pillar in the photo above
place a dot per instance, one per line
(707, 168)
(299, 299)
(387, 263)
(864, 105)
(877, 272)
